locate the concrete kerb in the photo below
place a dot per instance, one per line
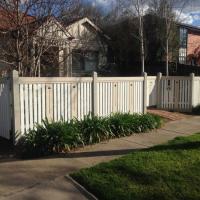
(82, 189)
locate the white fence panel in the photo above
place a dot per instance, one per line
(151, 91)
(32, 105)
(196, 92)
(176, 93)
(5, 108)
(119, 95)
(65, 98)
(58, 99)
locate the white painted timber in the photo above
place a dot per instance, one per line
(65, 98)
(196, 91)
(176, 93)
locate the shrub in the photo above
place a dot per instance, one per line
(122, 124)
(94, 129)
(127, 124)
(196, 110)
(47, 138)
(54, 137)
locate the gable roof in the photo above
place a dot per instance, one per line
(40, 22)
(189, 27)
(7, 22)
(88, 21)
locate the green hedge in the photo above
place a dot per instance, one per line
(55, 137)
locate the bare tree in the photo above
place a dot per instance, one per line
(33, 38)
(26, 34)
(140, 10)
(136, 9)
(170, 11)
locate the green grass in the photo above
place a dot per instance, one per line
(165, 172)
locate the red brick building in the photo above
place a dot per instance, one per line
(189, 51)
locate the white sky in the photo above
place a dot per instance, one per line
(190, 14)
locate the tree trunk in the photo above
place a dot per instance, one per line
(141, 37)
(167, 57)
(142, 54)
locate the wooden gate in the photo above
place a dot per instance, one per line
(5, 108)
(176, 93)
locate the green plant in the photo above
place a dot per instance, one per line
(53, 137)
(48, 138)
(94, 129)
(121, 124)
(127, 124)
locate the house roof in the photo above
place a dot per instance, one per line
(83, 20)
(35, 25)
(68, 22)
(7, 22)
(189, 27)
(7, 19)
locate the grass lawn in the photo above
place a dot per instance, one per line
(165, 172)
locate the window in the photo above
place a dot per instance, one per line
(182, 55)
(183, 46)
(91, 61)
(183, 37)
(84, 61)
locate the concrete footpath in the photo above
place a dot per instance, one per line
(44, 178)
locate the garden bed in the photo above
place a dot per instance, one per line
(164, 172)
(57, 137)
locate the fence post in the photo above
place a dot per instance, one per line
(15, 106)
(192, 76)
(94, 94)
(145, 94)
(159, 77)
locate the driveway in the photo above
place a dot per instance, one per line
(44, 178)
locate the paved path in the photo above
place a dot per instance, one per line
(174, 116)
(44, 179)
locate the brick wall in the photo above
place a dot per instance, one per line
(193, 50)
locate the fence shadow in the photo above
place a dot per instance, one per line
(181, 146)
(100, 153)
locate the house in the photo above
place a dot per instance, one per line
(74, 48)
(189, 51)
(77, 47)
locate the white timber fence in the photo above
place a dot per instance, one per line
(64, 98)
(26, 101)
(178, 93)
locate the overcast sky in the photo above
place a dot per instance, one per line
(190, 14)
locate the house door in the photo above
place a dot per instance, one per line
(50, 62)
(175, 93)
